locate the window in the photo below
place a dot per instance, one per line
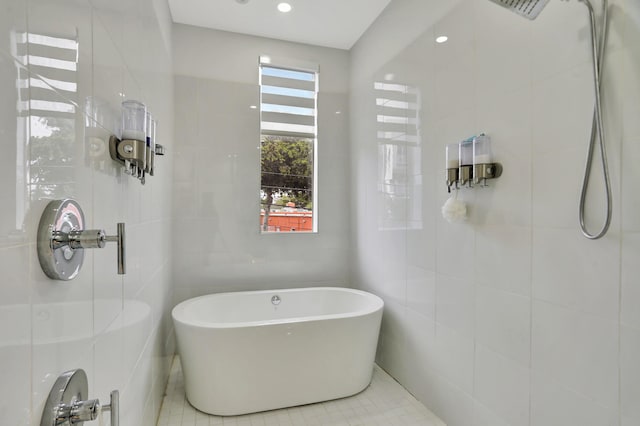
(288, 139)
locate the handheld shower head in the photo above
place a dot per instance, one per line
(530, 9)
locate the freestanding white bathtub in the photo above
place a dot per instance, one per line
(253, 351)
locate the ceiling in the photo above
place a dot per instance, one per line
(329, 23)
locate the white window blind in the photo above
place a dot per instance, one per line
(288, 101)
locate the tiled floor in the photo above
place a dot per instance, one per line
(383, 403)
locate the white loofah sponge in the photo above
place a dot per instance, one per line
(454, 210)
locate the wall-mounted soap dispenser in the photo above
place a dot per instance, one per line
(132, 148)
(471, 162)
(466, 162)
(453, 164)
(137, 149)
(483, 165)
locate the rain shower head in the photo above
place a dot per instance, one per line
(530, 9)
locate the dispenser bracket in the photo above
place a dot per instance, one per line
(136, 157)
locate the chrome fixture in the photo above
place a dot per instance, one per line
(531, 9)
(158, 151)
(471, 162)
(598, 43)
(66, 404)
(275, 300)
(62, 238)
(137, 149)
(132, 154)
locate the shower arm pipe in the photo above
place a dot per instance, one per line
(597, 128)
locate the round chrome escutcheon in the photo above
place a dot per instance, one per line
(60, 262)
(70, 387)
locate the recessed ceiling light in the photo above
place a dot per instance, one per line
(441, 39)
(284, 7)
(242, 1)
(389, 77)
(253, 106)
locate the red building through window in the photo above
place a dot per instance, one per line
(288, 219)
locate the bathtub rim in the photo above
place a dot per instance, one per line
(177, 313)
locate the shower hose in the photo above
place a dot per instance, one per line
(598, 43)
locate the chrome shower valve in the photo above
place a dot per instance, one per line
(62, 240)
(66, 404)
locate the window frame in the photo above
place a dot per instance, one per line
(303, 67)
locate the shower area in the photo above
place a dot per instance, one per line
(512, 317)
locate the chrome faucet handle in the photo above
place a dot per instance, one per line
(96, 238)
(86, 411)
(62, 240)
(119, 238)
(66, 404)
(113, 408)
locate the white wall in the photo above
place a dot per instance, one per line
(114, 327)
(512, 318)
(216, 238)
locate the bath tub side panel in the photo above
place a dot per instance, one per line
(231, 371)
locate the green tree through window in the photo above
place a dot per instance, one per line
(287, 173)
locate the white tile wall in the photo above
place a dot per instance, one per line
(109, 325)
(217, 243)
(528, 323)
(578, 349)
(503, 323)
(630, 381)
(502, 385)
(553, 403)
